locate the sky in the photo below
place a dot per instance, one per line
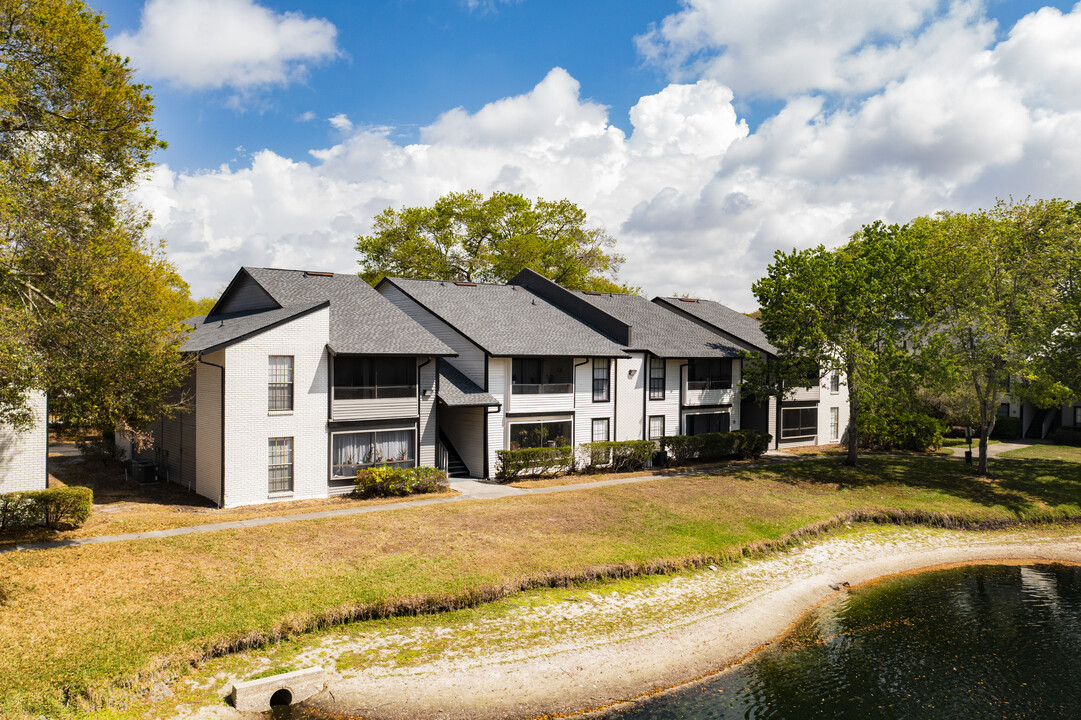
(704, 135)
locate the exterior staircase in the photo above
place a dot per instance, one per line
(455, 467)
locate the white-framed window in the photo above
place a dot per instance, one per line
(656, 378)
(280, 464)
(280, 385)
(656, 427)
(351, 451)
(835, 423)
(799, 423)
(835, 382)
(601, 379)
(600, 430)
(541, 433)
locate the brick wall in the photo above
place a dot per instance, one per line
(23, 454)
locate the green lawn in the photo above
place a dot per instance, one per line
(961, 442)
(1066, 453)
(79, 623)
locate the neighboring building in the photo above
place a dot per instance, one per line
(23, 455)
(300, 379)
(1037, 423)
(812, 415)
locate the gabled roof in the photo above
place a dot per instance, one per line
(210, 333)
(456, 390)
(632, 320)
(361, 320)
(507, 320)
(721, 318)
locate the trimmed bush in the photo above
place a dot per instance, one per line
(1006, 428)
(533, 462)
(1066, 436)
(711, 447)
(390, 481)
(618, 456)
(915, 432)
(67, 507)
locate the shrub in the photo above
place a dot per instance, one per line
(710, 447)
(619, 455)
(391, 481)
(1006, 428)
(53, 507)
(915, 432)
(533, 462)
(1066, 436)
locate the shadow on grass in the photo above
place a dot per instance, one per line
(1019, 486)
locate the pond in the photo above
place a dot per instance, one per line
(971, 642)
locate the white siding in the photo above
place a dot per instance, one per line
(249, 425)
(465, 429)
(555, 403)
(585, 410)
(669, 406)
(208, 427)
(23, 454)
(804, 394)
(470, 358)
(426, 441)
(628, 394)
(499, 377)
(375, 409)
(829, 400)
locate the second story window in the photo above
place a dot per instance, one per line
(656, 378)
(835, 382)
(542, 376)
(600, 379)
(374, 378)
(711, 374)
(280, 387)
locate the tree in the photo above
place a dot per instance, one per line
(851, 308)
(1005, 304)
(81, 290)
(469, 237)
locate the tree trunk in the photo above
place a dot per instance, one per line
(985, 433)
(853, 409)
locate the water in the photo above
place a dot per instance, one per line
(984, 641)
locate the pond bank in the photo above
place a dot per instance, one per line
(561, 652)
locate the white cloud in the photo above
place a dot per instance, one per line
(225, 43)
(697, 201)
(306, 116)
(341, 123)
(1043, 56)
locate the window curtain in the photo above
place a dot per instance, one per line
(350, 452)
(395, 446)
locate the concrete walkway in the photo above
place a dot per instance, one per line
(468, 489)
(993, 451)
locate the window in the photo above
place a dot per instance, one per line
(707, 423)
(712, 374)
(835, 382)
(280, 464)
(1077, 416)
(542, 376)
(371, 378)
(656, 378)
(1003, 409)
(600, 379)
(280, 388)
(656, 427)
(835, 423)
(799, 423)
(355, 450)
(600, 430)
(550, 433)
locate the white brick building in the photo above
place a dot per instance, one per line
(23, 454)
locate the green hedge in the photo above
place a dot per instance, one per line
(916, 432)
(67, 507)
(710, 447)
(390, 481)
(1006, 428)
(1066, 436)
(618, 456)
(532, 462)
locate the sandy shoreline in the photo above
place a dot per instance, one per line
(594, 650)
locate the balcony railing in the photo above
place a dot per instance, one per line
(541, 389)
(709, 384)
(374, 392)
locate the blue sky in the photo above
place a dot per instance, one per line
(702, 134)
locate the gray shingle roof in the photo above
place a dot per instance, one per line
(361, 320)
(723, 318)
(222, 330)
(456, 390)
(658, 331)
(507, 320)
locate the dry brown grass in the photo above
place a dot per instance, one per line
(584, 478)
(79, 624)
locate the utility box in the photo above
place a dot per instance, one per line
(144, 471)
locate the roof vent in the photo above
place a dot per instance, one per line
(312, 273)
(465, 284)
(591, 292)
(688, 299)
